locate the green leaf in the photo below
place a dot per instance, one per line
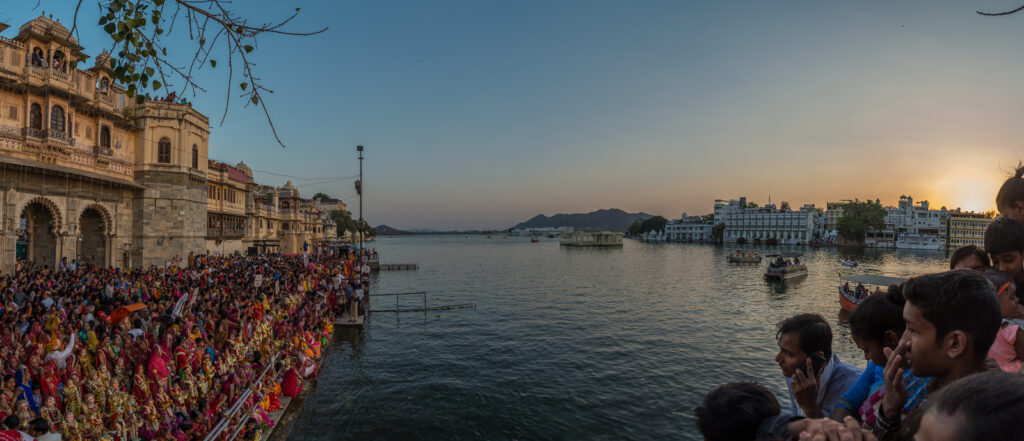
(149, 71)
(140, 99)
(156, 85)
(244, 85)
(158, 2)
(110, 28)
(164, 50)
(103, 20)
(74, 64)
(297, 9)
(159, 31)
(255, 100)
(213, 63)
(248, 48)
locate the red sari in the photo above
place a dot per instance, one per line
(290, 385)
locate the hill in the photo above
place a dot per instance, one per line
(384, 230)
(612, 219)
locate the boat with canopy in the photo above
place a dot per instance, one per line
(784, 266)
(850, 298)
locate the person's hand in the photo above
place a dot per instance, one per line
(828, 430)
(805, 391)
(895, 388)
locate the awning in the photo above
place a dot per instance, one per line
(873, 279)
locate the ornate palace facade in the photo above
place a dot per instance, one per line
(85, 172)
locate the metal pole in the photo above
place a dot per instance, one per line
(359, 149)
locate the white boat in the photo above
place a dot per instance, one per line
(915, 241)
(850, 262)
(784, 266)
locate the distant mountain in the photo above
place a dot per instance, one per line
(384, 230)
(612, 219)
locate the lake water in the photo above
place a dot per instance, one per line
(567, 343)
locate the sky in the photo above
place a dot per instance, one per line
(482, 114)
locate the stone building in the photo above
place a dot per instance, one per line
(227, 207)
(84, 171)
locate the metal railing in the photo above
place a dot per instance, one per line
(225, 421)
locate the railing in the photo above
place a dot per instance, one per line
(33, 132)
(12, 42)
(10, 132)
(222, 425)
(105, 151)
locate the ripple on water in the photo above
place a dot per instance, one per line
(566, 343)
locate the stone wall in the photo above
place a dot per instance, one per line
(170, 217)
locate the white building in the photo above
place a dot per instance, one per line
(766, 224)
(689, 229)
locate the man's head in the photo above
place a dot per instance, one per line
(984, 406)
(1004, 241)
(12, 422)
(952, 319)
(38, 427)
(734, 411)
(799, 337)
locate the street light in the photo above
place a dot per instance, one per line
(359, 190)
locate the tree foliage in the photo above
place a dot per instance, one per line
(641, 226)
(319, 196)
(718, 233)
(343, 219)
(784, 205)
(141, 62)
(859, 217)
(751, 205)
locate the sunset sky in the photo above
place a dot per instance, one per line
(482, 114)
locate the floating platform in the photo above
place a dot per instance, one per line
(346, 320)
(399, 266)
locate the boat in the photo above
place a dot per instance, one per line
(850, 262)
(784, 266)
(744, 256)
(849, 298)
(534, 240)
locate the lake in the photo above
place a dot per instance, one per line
(568, 343)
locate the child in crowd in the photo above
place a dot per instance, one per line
(1010, 199)
(811, 394)
(952, 319)
(986, 406)
(741, 412)
(970, 257)
(1009, 345)
(876, 325)
(1004, 241)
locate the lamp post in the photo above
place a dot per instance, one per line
(359, 190)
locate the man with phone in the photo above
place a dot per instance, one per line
(815, 377)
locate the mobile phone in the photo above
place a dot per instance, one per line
(817, 364)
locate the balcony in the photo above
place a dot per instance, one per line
(103, 151)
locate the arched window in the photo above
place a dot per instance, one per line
(37, 57)
(58, 61)
(35, 116)
(284, 226)
(104, 85)
(105, 136)
(57, 118)
(163, 151)
(195, 156)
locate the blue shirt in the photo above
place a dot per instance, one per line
(835, 379)
(856, 394)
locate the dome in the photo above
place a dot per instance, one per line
(288, 191)
(244, 168)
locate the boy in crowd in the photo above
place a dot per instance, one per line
(802, 338)
(1004, 241)
(952, 319)
(984, 406)
(970, 257)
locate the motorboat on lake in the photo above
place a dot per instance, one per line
(850, 262)
(850, 298)
(744, 256)
(784, 266)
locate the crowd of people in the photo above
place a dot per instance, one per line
(89, 353)
(944, 353)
